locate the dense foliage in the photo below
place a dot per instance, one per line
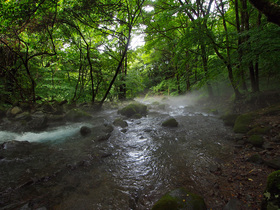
(80, 50)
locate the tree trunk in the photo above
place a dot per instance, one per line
(118, 68)
(239, 50)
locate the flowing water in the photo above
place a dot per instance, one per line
(131, 169)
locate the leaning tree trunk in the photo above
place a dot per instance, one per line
(118, 68)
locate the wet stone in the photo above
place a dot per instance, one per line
(84, 131)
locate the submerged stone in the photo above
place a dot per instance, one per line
(170, 123)
(180, 199)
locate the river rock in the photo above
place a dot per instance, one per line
(256, 140)
(120, 122)
(108, 128)
(84, 131)
(23, 116)
(171, 122)
(37, 124)
(75, 115)
(272, 192)
(11, 145)
(134, 109)
(180, 199)
(15, 110)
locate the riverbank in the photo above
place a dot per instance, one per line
(242, 180)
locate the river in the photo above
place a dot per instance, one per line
(130, 169)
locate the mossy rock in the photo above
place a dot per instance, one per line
(242, 123)
(256, 140)
(180, 199)
(229, 119)
(259, 130)
(271, 198)
(120, 122)
(133, 109)
(172, 123)
(77, 115)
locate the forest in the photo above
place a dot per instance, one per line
(87, 51)
(87, 114)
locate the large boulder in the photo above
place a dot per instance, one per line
(171, 122)
(271, 196)
(75, 115)
(242, 123)
(135, 109)
(37, 124)
(180, 199)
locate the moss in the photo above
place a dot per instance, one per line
(167, 202)
(259, 130)
(272, 192)
(273, 182)
(242, 123)
(180, 199)
(133, 109)
(170, 123)
(256, 140)
(229, 119)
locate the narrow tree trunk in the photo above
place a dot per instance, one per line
(118, 68)
(239, 50)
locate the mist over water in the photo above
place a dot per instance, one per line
(133, 168)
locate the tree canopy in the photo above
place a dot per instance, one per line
(81, 50)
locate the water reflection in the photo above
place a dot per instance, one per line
(127, 171)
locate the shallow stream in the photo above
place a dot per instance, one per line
(130, 169)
